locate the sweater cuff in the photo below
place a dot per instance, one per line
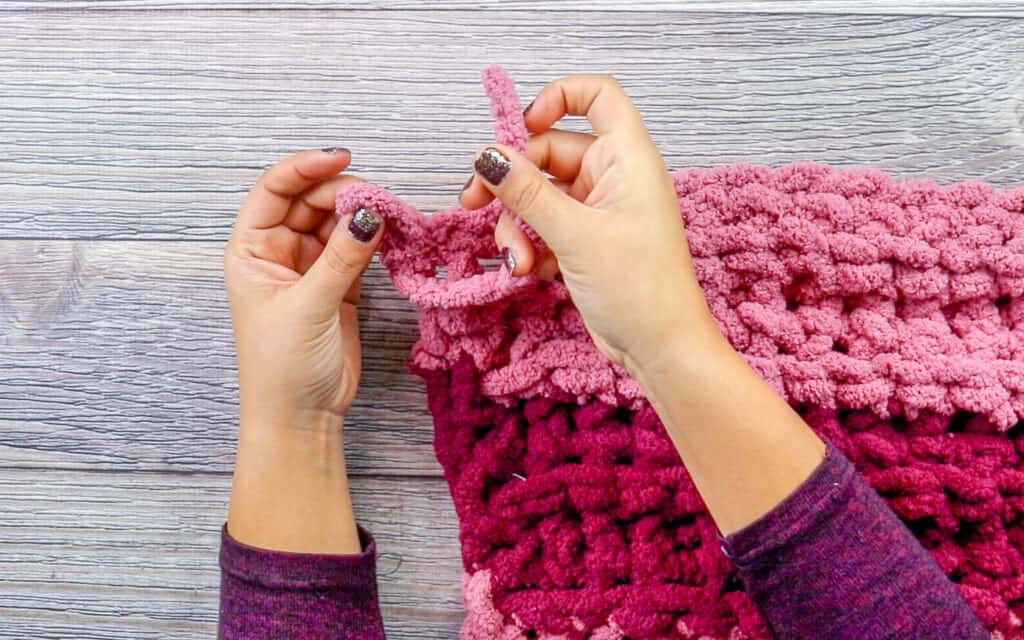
(812, 502)
(287, 570)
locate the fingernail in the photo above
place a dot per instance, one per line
(335, 151)
(364, 225)
(508, 259)
(468, 182)
(493, 165)
(528, 107)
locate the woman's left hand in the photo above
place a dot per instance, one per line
(293, 284)
(292, 274)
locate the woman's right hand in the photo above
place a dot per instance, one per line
(609, 216)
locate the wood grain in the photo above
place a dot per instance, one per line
(153, 125)
(895, 7)
(130, 129)
(131, 555)
(119, 355)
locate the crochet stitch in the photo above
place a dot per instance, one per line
(886, 312)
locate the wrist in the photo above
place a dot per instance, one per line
(680, 354)
(290, 487)
(267, 418)
(267, 449)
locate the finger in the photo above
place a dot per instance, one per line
(599, 98)
(343, 260)
(559, 153)
(564, 187)
(522, 188)
(355, 292)
(517, 251)
(351, 347)
(307, 250)
(547, 267)
(269, 200)
(311, 206)
(476, 195)
(324, 230)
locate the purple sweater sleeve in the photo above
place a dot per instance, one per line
(273, 594)
(832, 561)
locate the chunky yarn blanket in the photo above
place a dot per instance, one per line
(890, 314)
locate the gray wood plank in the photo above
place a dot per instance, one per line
(151, 125)
(119, 355)
(898, 7)
(134, 130)
(134, 555)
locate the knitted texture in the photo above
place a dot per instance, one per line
(886, 312)
(272, 594)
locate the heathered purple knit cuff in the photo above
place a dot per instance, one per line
(814, 500)
(282, 569)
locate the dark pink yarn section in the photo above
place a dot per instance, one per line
(583, 514)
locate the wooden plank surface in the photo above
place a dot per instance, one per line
(118, 355)
(120, 349)
(130, 129)
(893, 7)
(151, 125)
(131, 555)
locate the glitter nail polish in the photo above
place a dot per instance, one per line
(528, 107)
(335, 151)
(364, 224)
(508, 259)
(493, 165)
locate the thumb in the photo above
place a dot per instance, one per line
(343, 259)
(521, 187)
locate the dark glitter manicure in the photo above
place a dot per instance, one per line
(364, 225)
(508, 259)
(528, 107)
(468, 182)
(335, 151)
(493, 165)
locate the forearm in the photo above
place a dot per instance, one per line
(744, 447)
(832, 561)
(290, 489)
(291, 554)
(819, 551)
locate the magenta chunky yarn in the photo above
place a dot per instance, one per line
(889, 313)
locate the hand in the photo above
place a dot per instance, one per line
(293, 284)
(609, 215)
(292, 273)
(610, 218)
